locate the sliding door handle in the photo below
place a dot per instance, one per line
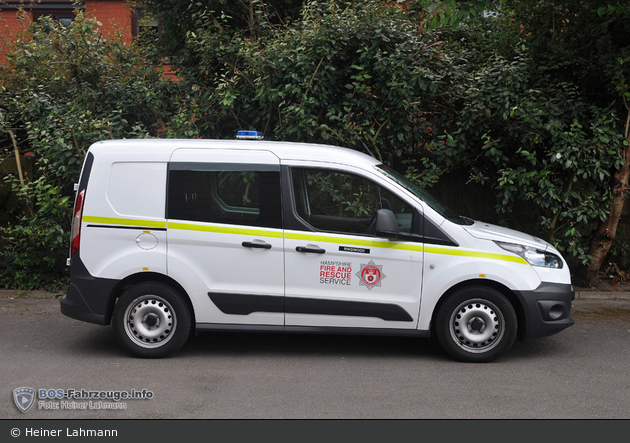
(310, 250)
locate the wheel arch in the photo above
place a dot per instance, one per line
(144, 277)
(504, 290)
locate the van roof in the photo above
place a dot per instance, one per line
(162, 148)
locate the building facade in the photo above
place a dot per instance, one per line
(116, 16)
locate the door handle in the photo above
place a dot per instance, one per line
(249, 244)
(310, 250)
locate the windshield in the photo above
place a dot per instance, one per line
(419, 192)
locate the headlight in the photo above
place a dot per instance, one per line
(533, 256)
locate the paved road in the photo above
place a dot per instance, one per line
(583, 372)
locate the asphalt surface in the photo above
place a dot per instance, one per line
(580, 373)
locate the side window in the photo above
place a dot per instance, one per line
(346, 203)
(64, 18)
(335, 201)
(239, 197)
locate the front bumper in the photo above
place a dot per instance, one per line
(547, 309)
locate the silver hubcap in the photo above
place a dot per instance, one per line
(150, 321)
(477, 326)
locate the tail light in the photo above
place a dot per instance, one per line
(76, 222)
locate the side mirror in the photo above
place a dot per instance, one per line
(386, 224)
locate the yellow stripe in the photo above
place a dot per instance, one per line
(305, 237)
(124, 221)
(477, 254)
(224, 230)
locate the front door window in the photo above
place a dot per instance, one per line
(345, 203)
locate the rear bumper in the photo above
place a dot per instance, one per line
(88, 298)
(547, 309)
(73, 305)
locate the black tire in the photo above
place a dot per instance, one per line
(476, 324)
(152, 320)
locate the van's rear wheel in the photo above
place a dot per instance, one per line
(476, 324)
(151, 320)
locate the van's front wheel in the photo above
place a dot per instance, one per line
(151, 320)
(476, 324)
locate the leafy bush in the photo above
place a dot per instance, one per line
(536, 116)
(358, 75)
(36, 245)
(537, 140)
(63, 89)
(512, 98)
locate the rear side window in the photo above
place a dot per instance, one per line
(228, 195)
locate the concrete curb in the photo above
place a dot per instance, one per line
(28, 293)
(579, 295)
(592, 295)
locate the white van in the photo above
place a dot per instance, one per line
(172, 236)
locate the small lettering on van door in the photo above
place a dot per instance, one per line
(355, 250)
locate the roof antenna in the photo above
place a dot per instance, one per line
(367, 149)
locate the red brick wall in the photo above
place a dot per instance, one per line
(11, 23)
(115, 16)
